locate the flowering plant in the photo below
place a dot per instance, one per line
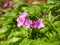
(28, 23)
(25, 24)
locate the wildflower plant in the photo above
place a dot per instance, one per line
(27, 24)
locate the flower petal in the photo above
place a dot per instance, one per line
(23, 15)
(40, 26)
(28, 23)
(19, 24)
(5, 4)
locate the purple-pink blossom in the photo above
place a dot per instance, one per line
(10, 5)
(28, 23)
(33, 25)
(6, 4)
(39, 23)
(22, 20)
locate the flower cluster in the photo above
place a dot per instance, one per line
(7, 4)
(22, 20)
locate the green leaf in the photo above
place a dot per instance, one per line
(39, 42)
(3, 29)
(26, 41)
(57, 24)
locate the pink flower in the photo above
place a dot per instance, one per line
(6, 4)
(33, 25)
(20, 22)
(21, 19)
(28, 23)
(40, 23)
(23, 15)
(10, 5)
